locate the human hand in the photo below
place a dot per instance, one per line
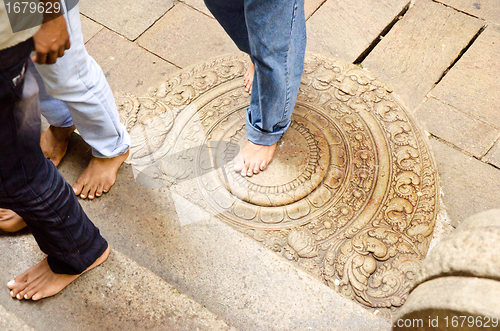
(51, 40)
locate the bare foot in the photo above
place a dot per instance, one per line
(248, 78)
(54, 143)
(40, 282)
(99, 176)
(10, 221)
(253, 158)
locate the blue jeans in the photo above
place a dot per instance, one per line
(30, 184)
(89, 104)
(273, 33)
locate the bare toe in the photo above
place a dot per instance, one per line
(78, 187)
(91, 193)
(99, 190)
(249, 171)
(28, 292)
(85, 191)
(239, 163)
(18, 287)
(244, 170)
(99, 176)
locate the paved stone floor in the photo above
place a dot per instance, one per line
(441, 59)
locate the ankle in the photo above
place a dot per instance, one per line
(61, 133)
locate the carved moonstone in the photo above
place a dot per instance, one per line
(350, 196)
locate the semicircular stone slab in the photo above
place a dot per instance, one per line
(351, 195)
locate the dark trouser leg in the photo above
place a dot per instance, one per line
(29, 183)
(274, 34)
(231, 16)
(277, 34)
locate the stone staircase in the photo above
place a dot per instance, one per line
(172, 267)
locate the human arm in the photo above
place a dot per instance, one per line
(52, 39)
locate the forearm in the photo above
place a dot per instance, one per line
(52, 39)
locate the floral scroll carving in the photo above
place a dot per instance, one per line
(356, 210)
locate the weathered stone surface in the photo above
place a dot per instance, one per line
(486, 9)
(127, 66)
(351, 174)
(198, 5)
(10, 322)
(89, 28)
(485, 219)
(127, 17)
(469, 185)
(185, 36)
(236, 278)
(461, 129)
(452, 297)
(472, 252)
(493, 155)
(118, 295)
(420, 47)
(346, 28)
(472, 84)
(310, 6)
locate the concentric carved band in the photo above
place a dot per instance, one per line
(351, 196)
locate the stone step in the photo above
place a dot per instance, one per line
(10, 322)
(232, 275)
(119, 295)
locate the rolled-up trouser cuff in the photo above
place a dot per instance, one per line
(98, 248)
(259, 137)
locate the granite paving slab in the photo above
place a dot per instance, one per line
(310, 6)
(454, 126)
(420, 47)
(10, 322)
(346, 28)
(493, 155)
(485, 9)
(126, 65)
(469, 186)
(472, 84)
(198, 5)
(89, 28)
(117, 295)
(126, 17)
(185, 36)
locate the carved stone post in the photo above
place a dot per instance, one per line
(458, 285)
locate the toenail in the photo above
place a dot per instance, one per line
(18, 296)
(11, 283)
(12, 293)
(26, 296)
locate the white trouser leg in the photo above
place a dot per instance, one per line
(79, 81)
